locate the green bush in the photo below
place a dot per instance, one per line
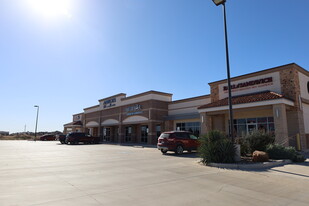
(244, 146)
(216, 148)
(258, 140)
(277, 151)
(299, 158)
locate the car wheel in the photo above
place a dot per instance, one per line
(163, 151)
(179, 150)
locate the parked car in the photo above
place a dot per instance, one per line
(77, 137)
(48, 137)
(61, 138)
(177, 141)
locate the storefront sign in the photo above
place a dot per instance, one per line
(109, 103)
(134, 110)
(249, 84)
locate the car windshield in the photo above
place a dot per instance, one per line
(164, 135)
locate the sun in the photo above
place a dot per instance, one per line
(51, 8)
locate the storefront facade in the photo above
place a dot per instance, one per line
(274, 100)
(138, 119)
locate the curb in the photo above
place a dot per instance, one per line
(262, 165)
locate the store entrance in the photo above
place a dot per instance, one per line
(128, 134)
(107, 134)
(144, 133)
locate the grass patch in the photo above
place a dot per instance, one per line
(17, 137)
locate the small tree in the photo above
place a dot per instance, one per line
(216, 147)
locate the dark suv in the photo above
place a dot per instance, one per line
(76, 137)
(61, 138)
(177, 141)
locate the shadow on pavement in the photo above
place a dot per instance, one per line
(290, 173)
(184, 155)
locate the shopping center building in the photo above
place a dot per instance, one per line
(274, 100)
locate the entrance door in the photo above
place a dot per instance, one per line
(107, 134)
(144, 133)
(128, 134)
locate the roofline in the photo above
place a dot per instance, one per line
(273, 69)
(78, 113)
(248, 105)
(146, 93)
(120, 94)
(92, 107)
(190, 99)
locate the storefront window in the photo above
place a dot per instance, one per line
(193, 127)
(246, 126)
(144, 133)
(106, 134)
(251, 120)
(262, 120)
(158, 130)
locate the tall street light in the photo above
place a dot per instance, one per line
(231, 124)
(36, 123)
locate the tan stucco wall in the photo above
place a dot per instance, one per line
(306, 117)
(303, 81)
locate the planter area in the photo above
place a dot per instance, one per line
(245, 165)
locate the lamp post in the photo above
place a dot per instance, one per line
(231, 124)
(36, 123)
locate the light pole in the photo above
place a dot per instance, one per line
(36, 123)
(231, 124)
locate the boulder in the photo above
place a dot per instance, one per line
(259, 156)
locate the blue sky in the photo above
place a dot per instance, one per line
(67, 62)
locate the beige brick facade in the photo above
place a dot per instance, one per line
(149, 112)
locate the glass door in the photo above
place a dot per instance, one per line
(144, 133)
(107, 134)
(128, 134)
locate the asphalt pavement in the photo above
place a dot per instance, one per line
(48, 173)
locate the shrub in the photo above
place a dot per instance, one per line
(277, 151)
(244, 146)
(216, 147)
(258, 140)
(299, 158)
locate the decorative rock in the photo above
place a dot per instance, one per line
(259, 156)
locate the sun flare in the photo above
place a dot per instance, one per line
(51, 8)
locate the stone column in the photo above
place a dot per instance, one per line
(296, 126)
(281, 126)
(121, 133)
(151, 139)
(203, 123)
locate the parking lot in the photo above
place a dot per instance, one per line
(48, 173)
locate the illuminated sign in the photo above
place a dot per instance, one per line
(264, 82)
